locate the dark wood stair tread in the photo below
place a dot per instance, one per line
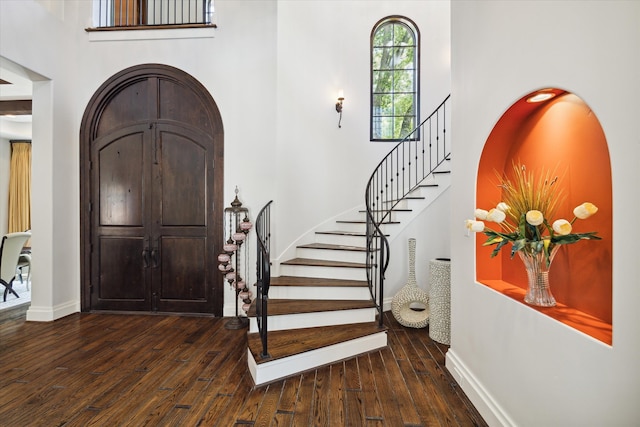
(279, 307)
(313, 281)
(297, 341)
(323, 263)
(356, 221)
(344, 233)
(387, 210)
(333, 247)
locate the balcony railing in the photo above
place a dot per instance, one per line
(136, 14)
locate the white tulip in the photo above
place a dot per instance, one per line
(561, 227)
(475, 226)
(585, 210)
(496, 215)
(535, 217)
(481, 214)
(502, 206)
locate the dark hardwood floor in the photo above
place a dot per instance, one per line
(113, 370)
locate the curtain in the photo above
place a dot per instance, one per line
(20, 187)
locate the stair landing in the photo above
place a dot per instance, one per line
(295, 351)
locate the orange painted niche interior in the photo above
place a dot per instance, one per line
(564, 136)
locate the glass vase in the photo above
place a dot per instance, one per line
(538, 291)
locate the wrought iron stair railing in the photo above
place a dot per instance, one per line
(409, 163)
(263, 274)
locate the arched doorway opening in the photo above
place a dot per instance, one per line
(151, 164)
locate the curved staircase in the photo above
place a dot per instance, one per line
(322, 308)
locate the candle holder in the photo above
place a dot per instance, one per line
(230, 262)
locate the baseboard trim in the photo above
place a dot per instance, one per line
(49, 314)
(490, 410)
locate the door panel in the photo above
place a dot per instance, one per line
(124, 275)
(121, 184)
(181, 208)
(183, 180)
(120, 256)
(183, 278)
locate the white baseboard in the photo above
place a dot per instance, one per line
(49, 314)
(490, 410)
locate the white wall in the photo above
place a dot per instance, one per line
(5, 161)
(518, 366)
(322, 171)
(273, 68)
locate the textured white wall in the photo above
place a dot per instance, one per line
(273, 68)
(519, 366)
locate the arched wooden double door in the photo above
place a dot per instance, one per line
(151, 194)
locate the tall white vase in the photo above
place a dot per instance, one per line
(410, 306)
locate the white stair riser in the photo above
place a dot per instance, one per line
(339, 239)
(402, 204)
(359, 227)
(332, 254)
(280, 368)
(312, 320)
(344, 273)
(320, 292)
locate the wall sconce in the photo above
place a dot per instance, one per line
(339, 106)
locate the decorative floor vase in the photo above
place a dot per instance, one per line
(410, 306)
(538, 291)
(440, 300)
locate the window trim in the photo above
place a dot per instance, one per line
(416, 33)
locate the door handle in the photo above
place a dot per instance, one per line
(145, 253)
(154, 254)
(154, 258)
(145, 257)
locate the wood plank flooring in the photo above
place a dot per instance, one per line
(128, 370)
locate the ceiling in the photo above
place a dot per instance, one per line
(15, 85)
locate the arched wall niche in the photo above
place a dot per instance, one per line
(564, 136)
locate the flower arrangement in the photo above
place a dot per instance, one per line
(525, 215)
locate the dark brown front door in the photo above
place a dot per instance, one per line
(155, 204)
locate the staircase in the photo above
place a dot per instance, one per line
(321, 309)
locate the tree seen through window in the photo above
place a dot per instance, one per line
(394, 79)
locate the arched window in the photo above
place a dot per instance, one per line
(394, 79)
